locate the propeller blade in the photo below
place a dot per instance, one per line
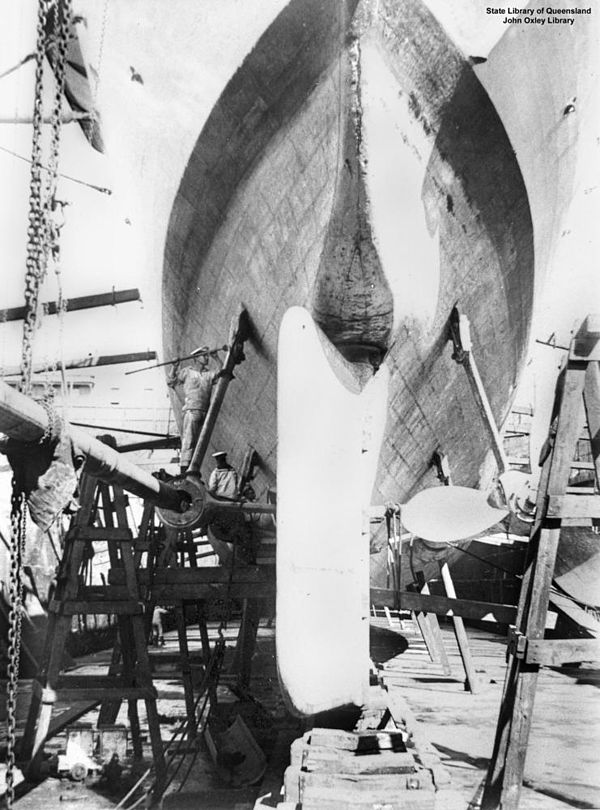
(446, 514)
(329, 435)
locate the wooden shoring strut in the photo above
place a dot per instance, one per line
(577, 396)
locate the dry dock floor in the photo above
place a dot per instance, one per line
(563, 762)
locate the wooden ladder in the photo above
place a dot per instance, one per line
(577, 398)
(129, 677)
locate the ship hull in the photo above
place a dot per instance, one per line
(284, 202)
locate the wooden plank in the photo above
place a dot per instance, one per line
(375, 790)
(100, 681)
(472, 681)
(88, 361)
(555, 652)
(591, 397)
(445, 606)
(425, 629)
(171, 594)
(208, 575)
(574, 507)
(75, 304)
(100, 607)
(328, 760)
(123, 693)
(415, 800)
(100, 535)
(60, 721)
(375, 786)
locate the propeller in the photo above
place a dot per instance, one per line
(446, 514)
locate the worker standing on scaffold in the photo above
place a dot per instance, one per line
(197, 385)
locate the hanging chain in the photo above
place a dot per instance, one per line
(42, 241)
(53, 214)
(35, 230)
(17, 521)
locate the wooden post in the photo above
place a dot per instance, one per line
(472, 681)
(186, 672)
(526, 643)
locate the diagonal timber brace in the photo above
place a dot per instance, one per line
(460, 333)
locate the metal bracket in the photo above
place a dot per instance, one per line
(440, 461)
(460, 334)
(517, 643)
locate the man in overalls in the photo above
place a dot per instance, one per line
(197, 385)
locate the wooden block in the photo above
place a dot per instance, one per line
(412, 800)
(374, 787)
(363, 741)
(327, 760)
(291, 784)
(297, 749)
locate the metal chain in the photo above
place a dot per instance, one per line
(17, 521)
(35, 230)
(40, 242)
(54, 208)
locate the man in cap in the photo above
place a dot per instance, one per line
(223, 481)
(197, 385)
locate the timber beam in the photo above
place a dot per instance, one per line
(443, 606)
(171, 585)
(89, 361)
(74, 304)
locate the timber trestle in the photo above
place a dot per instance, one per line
(577, 399)
(129, 676)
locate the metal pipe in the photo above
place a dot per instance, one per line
(193, 355)
(238, 334)
(247, 507)
(24, 419)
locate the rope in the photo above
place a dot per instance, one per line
(101, 189)
(487, 562)
(98, 69)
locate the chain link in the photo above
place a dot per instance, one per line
(42, 242)
(43, 231)
(35, 217)
(17, 522)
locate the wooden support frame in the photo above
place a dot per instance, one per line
(528, 650)
(129, 676)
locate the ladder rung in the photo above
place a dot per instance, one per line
(97, 534)
(98, 593)
(118, 607)
(118, 693)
